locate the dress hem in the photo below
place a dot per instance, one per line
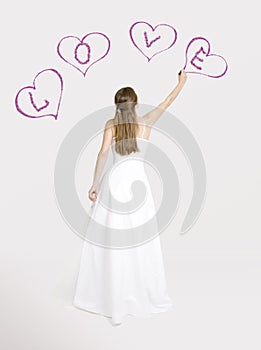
(147, 315)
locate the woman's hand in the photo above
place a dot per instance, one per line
(182, 76)
(93, 192)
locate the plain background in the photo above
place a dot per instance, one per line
(213, 271)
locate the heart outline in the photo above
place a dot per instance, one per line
(34, 88)
(153, 29)
(207, 55)
(80, 42)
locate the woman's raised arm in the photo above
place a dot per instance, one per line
(151, 117)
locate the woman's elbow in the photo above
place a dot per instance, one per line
(103, 153)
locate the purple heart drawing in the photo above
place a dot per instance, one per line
(200, 61)
(151, 41)
(83, 53)
(43, 97)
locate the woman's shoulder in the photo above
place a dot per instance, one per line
(110, 124)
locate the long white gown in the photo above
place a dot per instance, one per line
(128, 281)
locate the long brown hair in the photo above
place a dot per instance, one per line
(125, 121)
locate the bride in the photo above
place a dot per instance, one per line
(129, 281)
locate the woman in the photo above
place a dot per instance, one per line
(130, 281)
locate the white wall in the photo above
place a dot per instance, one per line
(214, 270)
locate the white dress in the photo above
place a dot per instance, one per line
(128, 281)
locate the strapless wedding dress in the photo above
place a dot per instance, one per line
(127, 281)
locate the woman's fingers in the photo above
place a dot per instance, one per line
(92, 195)
(182, 75)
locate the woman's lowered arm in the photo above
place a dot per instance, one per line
(101, 161)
